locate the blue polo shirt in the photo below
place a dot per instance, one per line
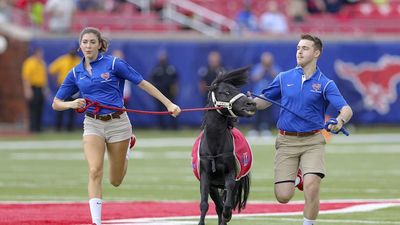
(308, 98)
(105, 85)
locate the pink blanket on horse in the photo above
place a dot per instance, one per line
(243, 154)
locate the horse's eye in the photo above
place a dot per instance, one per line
(224, 92)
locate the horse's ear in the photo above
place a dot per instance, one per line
(239, 71)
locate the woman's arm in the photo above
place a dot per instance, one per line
(61, 105)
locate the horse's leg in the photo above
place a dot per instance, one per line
(229, 186)
(216, 197)
(204, 191)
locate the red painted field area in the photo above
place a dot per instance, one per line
(78, 213)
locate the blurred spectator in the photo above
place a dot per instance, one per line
(315, 6)
(380, 2)
(333, 6)
(261, 75)
(109, 5)
(297, 10)
(272, 20)
(21, 4)
(209, 73)
(165, 78)
(87, 5)
(60, 12)
(37, 13)
(127, 86)
(33, 8)
(5, 11)
(382, 7)
(60, 68)
(158, 5)
(114, 6)
(245, 19)
(34, 79)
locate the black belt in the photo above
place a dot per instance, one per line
(299, 134)
(107, 117)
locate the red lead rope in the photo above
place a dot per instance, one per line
(98, 106)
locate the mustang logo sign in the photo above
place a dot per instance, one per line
(375, 81)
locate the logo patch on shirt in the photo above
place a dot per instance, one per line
(316, 87)
(105, 76)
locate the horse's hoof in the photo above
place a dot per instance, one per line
(227, 219)
(223, 222)
(227, 215)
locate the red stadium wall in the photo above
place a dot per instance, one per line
(12, 103)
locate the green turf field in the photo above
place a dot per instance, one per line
(51, 167)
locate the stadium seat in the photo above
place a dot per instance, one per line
(121, 22)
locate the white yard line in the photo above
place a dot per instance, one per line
(139, 154)
(356, 200)
(327, 221)
(351, 209)
(263, 219)
(188, 142)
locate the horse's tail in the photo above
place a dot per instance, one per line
(242, 193)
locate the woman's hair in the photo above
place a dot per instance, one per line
(103, 42)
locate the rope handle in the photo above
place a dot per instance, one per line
(87, 105)
(98, 107)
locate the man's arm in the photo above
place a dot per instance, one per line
(344, 116)
(262, 104)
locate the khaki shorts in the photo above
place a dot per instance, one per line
(293, 152)
(112, 131)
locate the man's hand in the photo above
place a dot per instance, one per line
(333, 125)
(260, 103)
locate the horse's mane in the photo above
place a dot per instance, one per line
(236, 77)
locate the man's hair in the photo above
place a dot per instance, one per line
(317, 42)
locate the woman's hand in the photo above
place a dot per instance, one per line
(78, 103)
(174, 109)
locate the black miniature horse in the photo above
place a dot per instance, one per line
(217, 163)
